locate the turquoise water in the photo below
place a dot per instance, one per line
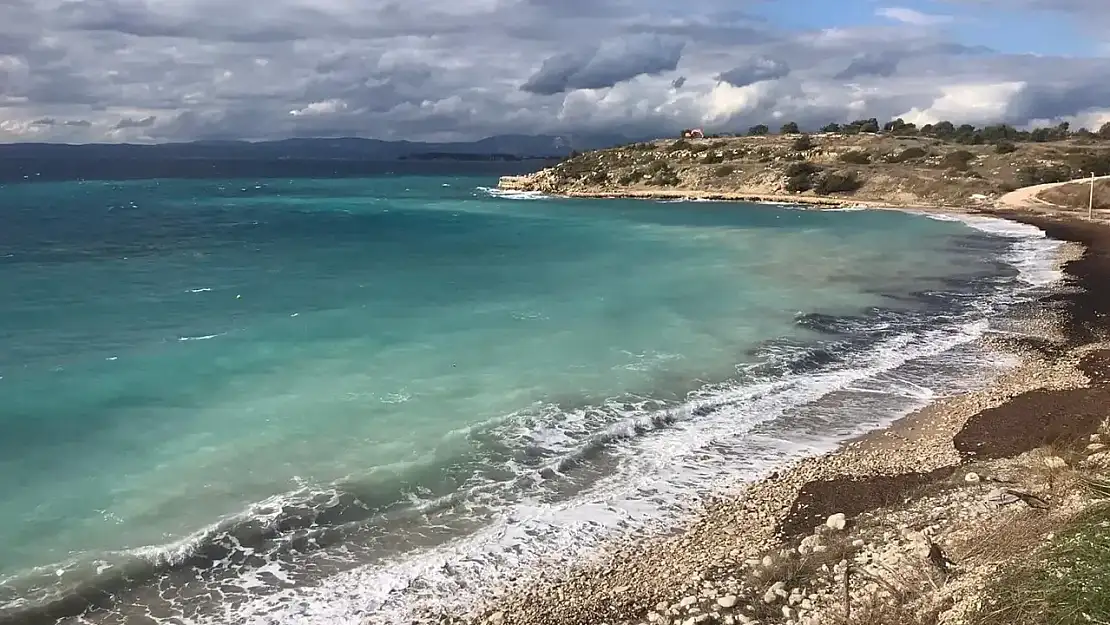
(378, 367)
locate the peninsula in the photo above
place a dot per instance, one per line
(900, 165)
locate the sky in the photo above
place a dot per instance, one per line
(81, 71)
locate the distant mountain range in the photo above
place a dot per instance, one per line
(499, 147)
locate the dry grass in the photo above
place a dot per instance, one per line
(1067, 583)
(1078, 195)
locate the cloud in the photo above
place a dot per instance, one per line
(127, 122)
(870, 65)
(910, 16)
(173, 70)
(605, 65)
(324, 107)
(754, 70)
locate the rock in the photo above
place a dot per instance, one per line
(837, 521)
(1095, 448)
(768, 561)
(787, 613)
(687, 602)
(972, 477)
(770, 597)
(727, 601)
(1054, 462)
(1096, 438)
(496, 617)
(1000, 497)
(858, 543)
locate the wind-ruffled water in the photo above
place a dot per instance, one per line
(320, 401)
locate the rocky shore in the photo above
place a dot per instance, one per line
(905, 525)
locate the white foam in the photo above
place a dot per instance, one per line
(659, 478)
(199, 338)
(513, 195)
(200, 290)
(1032, 252)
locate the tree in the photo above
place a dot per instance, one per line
(1104, 131)
(944, 129)
(834, 127)
(758, 130)
(789, 128)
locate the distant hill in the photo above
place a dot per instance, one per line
(499, 146)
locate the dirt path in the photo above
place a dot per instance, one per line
(1026, 198)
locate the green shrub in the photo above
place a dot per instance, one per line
(908, 154)
(837, 182)
(855, 157)
(803, 143)
(799, 176)
(959, 160)
(801, 169)
(598, 177)
(1004, 147)
(631, 177)
(712, 158)
(681, 144)
(1027, 176)
(724, 171)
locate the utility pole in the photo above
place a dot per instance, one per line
(1091, 201)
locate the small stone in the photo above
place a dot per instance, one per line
(836, 522)
(687, 602)
(768, 561)
(770, 597)
(858, 543)
(1095, 448)
(972, 477)
(787, 613)
(496, 617)
(1055, 462)
(727, 601)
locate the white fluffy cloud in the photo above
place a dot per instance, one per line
(170, 70)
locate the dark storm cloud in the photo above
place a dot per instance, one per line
(461, 69)
(754, 70)
(870, 65)
(145, 122)
(605, 65)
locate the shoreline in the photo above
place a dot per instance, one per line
(510, 184)
(626, 577)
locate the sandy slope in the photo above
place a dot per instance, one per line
(1026, 198)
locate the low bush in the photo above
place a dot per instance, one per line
(681, 144)
(1004, 147)
(837, 182)
(712, 158)
(907, 154)
(803, 143)
(959, 160)
(855, 157)
(724, 171)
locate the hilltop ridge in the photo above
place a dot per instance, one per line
(828, 167)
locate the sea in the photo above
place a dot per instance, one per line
(322, 400)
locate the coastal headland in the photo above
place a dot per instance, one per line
(967, 511)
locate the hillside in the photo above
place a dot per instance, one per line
(1078, 195)
(891, 169)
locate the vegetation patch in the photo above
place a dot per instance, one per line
(909, 154)
(832, 182)
(855, 157)
(724, 171)
(1068, 584)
